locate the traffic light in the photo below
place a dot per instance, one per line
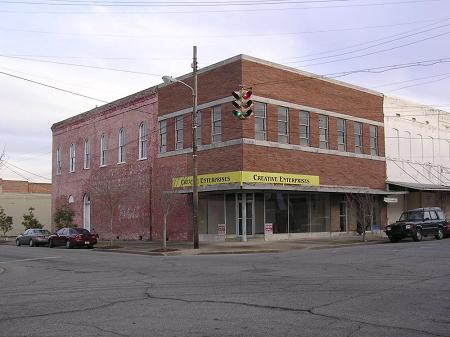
(243, 105)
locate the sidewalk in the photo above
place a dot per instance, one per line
(236, 247)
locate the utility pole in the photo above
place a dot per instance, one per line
(194, 152)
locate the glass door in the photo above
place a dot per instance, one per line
(245, 211)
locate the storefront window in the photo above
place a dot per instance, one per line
(298, 213)
(230, 205)
(320, 213)
(259, 213)
(277, 211)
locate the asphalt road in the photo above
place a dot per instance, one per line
(398, 289)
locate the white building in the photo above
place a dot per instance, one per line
(417, 155)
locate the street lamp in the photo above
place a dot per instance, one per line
(168, 80)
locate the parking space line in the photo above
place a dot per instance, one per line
(34, 259)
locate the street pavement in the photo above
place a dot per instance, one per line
(375, 290)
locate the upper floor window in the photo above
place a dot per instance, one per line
(304, 128)
(72, 154)
(283, 122)
(323, 132)
(396, 142)
(163, 136)
(87, 154)
(103, 150)
(58, 161)
(143, 135)
(122, 139)
(341, 134)
(373, 140)
(260, 121)
(408, 140)
(358, 131)
(420, 147)
(216, 124)
(179, 132)
(198, 128)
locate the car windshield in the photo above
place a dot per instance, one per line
(42, 232)
(82, 231)
(410, 216)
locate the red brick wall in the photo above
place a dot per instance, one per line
(132, 213)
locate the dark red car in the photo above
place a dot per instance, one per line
(72, 237)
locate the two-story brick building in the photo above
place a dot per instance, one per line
(311, 144)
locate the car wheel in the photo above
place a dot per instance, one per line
(68, 244)
(31, 243)
(17, 242)
(393, 240)
(50, 244)
(418, 236)
(440, 234)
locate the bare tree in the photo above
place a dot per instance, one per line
(169, 197)
(364, 204)
(107, 190)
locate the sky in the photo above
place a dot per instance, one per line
(102, 50)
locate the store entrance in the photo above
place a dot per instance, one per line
(245, 214)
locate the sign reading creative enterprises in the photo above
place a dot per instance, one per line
(241, 177)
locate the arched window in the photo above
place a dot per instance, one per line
(58, 161)
(396, 142)
(143, 141)
(72, 154)
(87, 154)
(420, 147)
(103, 150)
(121, 146)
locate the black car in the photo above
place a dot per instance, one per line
(417, 223)
(33, 237)
(72, 237)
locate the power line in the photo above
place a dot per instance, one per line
(80, 65)
(52, 87)
(215, 36)
(240, 10)
(403, 35)
(17, 167)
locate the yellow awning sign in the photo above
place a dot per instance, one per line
(249, 177)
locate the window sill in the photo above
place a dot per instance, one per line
(103, 166)
(143, 158)
(121, 163)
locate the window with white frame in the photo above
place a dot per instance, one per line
(87, 154)
(323, 132)
(143, 136)
(283, 125)
(216, 124)
(122, 139)
(58, 161)
(341, 134)
(260, 121)
(72, 154)
(358, 132)
(103, 150)
(179, 121)
(373, 140)
(163, 136)
(304, 119)
(198, 128)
